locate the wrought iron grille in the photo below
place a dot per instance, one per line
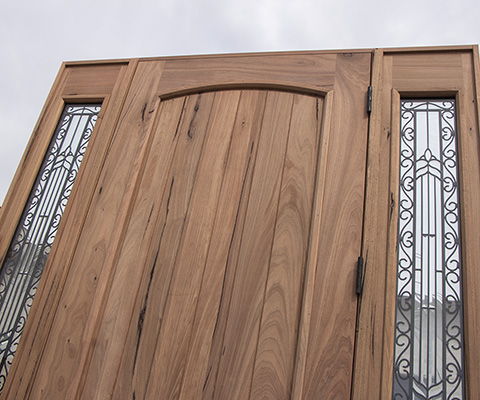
(31, 244)
(428, 353)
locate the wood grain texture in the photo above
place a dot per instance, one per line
(91, 80)
(109, 345)
(241, 335)
(221, 231)
(305, 71)
(368, 348)
(428, 71)
(275, 355)
(332, 326)
(313, 252)
(149, 310)
(469, 163)
(189, 277)
(172, 344)
(392, 115)
(223, 312)
(214, 292)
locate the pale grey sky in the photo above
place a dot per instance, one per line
(36, 36)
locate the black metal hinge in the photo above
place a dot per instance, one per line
(360, 275)
(369, 99)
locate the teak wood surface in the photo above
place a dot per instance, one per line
(209, 247)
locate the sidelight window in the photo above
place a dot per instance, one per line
(33, 239)
(428, 349)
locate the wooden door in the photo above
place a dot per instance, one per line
(230, 199)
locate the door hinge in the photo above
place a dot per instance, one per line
(360, 275)
(369, 99)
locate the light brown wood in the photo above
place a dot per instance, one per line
(172, 343)
(246, 305)
(330, 346)
(313, 255)
(304, 72)
(368, 354)
(187, 132)
(186, 303)
(113, 330)
(469, 165)
(223, 307)
(245, 133)
(275, 354)
(391, 249)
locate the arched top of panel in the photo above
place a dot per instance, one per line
(278, 87)
(313, 74)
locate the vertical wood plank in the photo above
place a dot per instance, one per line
(172, 344)
(368, 354)
(240, 342)
(198, 370)
(102, 371)
(312, 256)
(223, 312)
(148, 314)
(332, 327)
(469, 164)
(390, 294)
(278, 332)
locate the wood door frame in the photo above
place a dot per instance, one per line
(375, 329)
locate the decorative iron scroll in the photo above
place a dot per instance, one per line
(428, 353)
(31, 244)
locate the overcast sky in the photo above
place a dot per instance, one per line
(36, 36)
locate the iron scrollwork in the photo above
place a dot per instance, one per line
(428, 349)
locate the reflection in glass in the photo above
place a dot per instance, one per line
(428, 359)
(31, 244)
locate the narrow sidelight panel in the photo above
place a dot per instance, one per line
(429, 360)
(33, 239)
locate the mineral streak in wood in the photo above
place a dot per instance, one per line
(150, 308)
(239, 165)
(172, 344)
(113, 331)
(233, 253)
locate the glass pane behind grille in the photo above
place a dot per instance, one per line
(428, 359)
(33, 239)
